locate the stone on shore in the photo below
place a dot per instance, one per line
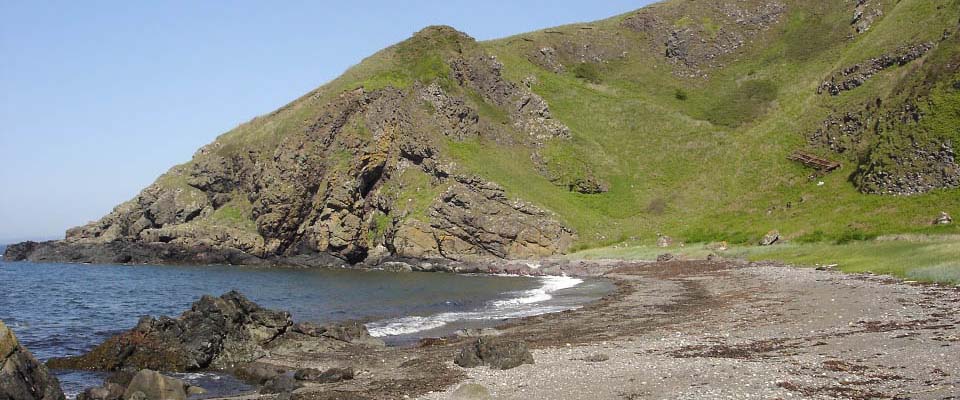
(216, 333)
(494, 352)
(22, 377)
(109, 391)
(331, 375)
(155, 386)
(285, 383)
(348, 331)
(471, 391)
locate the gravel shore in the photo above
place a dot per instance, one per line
(695, 330)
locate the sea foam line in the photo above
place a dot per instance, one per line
(516, 307)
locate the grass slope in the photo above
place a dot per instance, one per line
(699, 159)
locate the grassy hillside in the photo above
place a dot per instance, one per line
(675, 119)
(704, 159)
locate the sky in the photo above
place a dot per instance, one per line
(99, 98)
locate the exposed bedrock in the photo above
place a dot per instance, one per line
(22, 377)
(216, 333)
(340, 187)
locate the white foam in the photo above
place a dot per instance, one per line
(516, 307)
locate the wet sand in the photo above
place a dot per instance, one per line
(695, 330)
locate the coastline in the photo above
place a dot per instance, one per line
(679, 328)
(692, 329)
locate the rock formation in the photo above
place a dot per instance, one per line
(22, 377)
(216, 333)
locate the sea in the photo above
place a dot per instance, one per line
(59, 310)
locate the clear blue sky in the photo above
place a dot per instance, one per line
(99, 98)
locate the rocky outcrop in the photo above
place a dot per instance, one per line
(864, 14)
(909, 168)
(216, 333)
(474, 219)
(856, 75)
(335, 188)
(22, 377)
(695, 46)
(494, 352)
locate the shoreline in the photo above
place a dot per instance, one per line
(711, 328)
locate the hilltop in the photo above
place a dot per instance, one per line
(677, 119)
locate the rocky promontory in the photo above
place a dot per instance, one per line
(216, 333)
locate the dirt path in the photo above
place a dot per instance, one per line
(700, 330)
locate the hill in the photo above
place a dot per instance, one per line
(678, 119)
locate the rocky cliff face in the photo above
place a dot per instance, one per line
(444, 148)
(344, 184)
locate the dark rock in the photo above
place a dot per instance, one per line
(109, 391)
(770, 238)
(258, 372)
(347, 331)
(19, 251)
(331, 375)
(854, 76)
(155, 386)
(665, 257)
(217, 332)
(596, 357)
(22, 377)
(281, 384)
(494, 352)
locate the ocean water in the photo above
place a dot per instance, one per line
(67, 309)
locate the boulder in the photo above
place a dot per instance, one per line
(22, 377)
(770, 238)
(109, 391)
(331, 375)
(943, 219)
(281, 384)
(494, 352)
(216, 333)
(155, 386)
(257, 372)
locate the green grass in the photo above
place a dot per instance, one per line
(699, 159)
(913, 257)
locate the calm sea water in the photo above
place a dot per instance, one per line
(66, 309)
